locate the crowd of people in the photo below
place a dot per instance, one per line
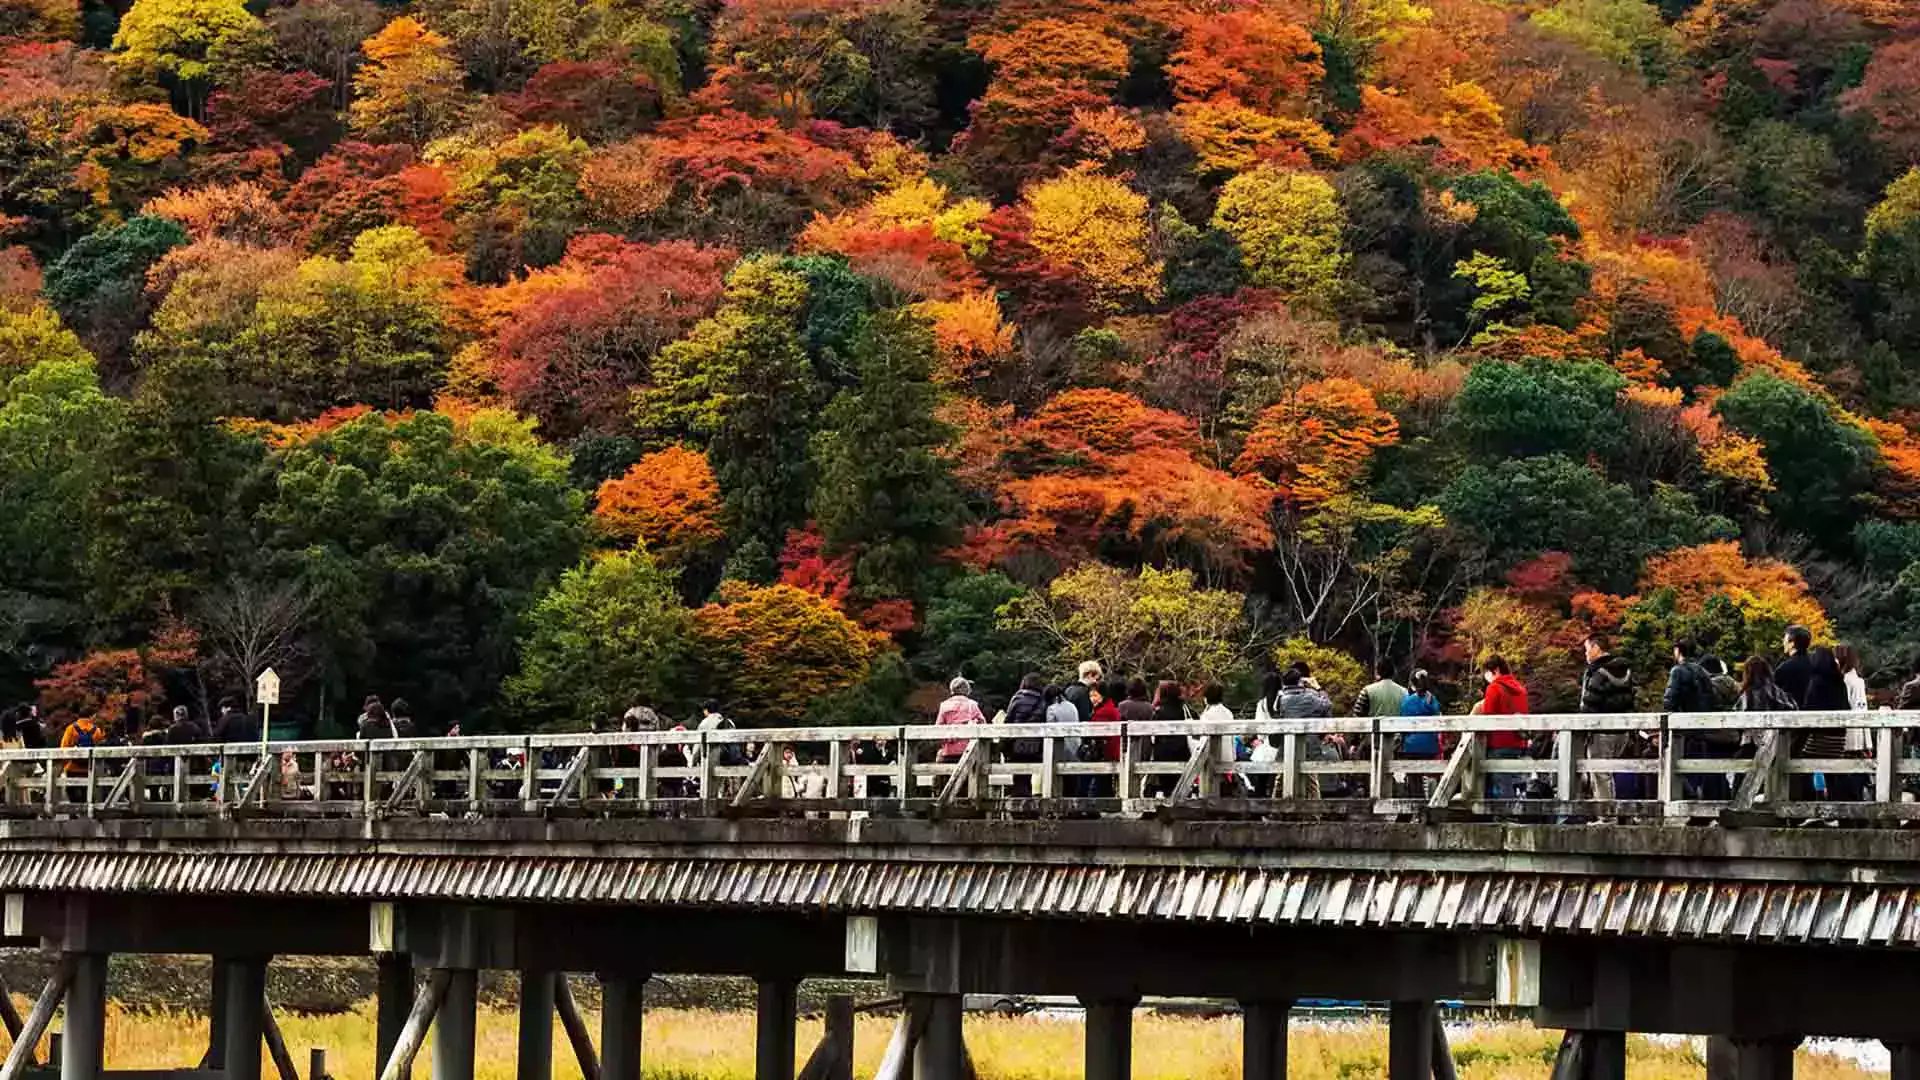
(1806, 677)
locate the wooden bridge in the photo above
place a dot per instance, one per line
(1262, 863)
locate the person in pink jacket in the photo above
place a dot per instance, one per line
(959, 708)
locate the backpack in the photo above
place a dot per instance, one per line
(83, 737)
(729, 754)
(1697, 692)
(1726, 691)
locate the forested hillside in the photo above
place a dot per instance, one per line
(536, 358)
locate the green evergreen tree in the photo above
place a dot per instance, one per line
(885, 490)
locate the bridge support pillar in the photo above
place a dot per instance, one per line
(1906, 1058)
(620, 1015)
(774, 1029)
(1410, 1027)
(1109, 1036)
(941, 1053)
(1263, 1039)
(453, 1026)
(536, 1026)
(1750, 1059)
(83, 1039)
(216, 1057)
(1607, 1055)
(243, 1009)
(393, 998)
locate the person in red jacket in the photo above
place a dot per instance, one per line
(1505, 697)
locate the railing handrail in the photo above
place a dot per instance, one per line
(1307, 765)
(1541, 723)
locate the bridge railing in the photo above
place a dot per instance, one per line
(1678, 766)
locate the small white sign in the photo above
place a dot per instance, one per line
(863, 944)
(266, 689)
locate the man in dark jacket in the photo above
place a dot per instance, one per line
(1028, 706)
(1796, 670)
(1081, 692)
(1689, 687)
(1690, 690)
(234, 725)
(1607, 688)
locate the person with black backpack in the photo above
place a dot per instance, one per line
(1690, 690)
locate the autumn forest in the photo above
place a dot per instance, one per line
(532, 359)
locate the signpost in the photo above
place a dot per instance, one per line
(266, 690)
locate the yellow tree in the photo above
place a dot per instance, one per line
(189, 45)
(1290, 228)
(410, 88)
(1098, 227)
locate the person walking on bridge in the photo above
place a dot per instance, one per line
(1080, 694)
(82, 734)
(1300, 701)
(1505, 696)
(1827, 692)
(1690, 690)
(1607, 689)
(1382, 696)
(959, 708)
(1793, 672)
(1062, 711)
(1027, 706)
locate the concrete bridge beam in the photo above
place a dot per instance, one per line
(1906, 1059)
(774, 1029)
(393, 999)
(1263, 1039)
(620, 1016)
(1730, 1058)
(536, 1026)
(1410, 1027)
(941, 1053)
(83, 1038)
(1111, 960)
(1109, 1037)
(242, 1007)
(454, 1026)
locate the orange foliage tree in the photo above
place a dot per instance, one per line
(1096, 470)
(1043, 71)
(772, 651)
(105, 684)
(668, 501)
(1317, 443)
(1713, 592)
(571, 341)
(1247, 54)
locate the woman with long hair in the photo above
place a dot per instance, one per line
(1859, 739)
(1168, 709)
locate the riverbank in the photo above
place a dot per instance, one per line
(701, 1044)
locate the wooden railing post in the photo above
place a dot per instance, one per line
(1293, 748)
(1885, 749)
(1566, 776)
(1380, 776)
(1669, 781)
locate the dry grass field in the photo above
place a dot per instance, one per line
(684, 1044)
